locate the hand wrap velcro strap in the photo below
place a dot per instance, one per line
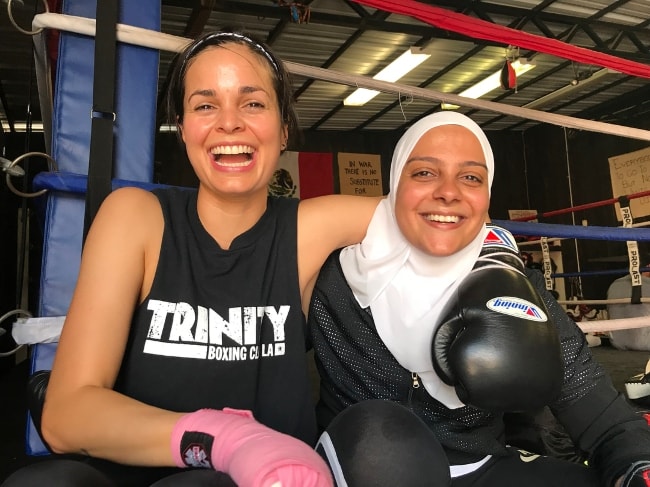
(196, 448)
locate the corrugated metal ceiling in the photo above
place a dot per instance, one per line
(345, 36)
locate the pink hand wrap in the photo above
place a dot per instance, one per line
(254, 455)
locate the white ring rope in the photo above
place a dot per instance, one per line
(166, 42)
(125, 33)
(4, 317)
(569, 302)
(613, 325)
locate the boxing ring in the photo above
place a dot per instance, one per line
(631, 233)
(64, 108)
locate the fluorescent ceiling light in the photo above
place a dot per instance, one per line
(168, 127)
(492, 82)
(565, 90)
(22, 127)
(408, 61)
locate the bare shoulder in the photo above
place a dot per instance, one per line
(340, 219)
(136, 200)
(338, 202)
(128, 207)
(337, 206)
(130, 218)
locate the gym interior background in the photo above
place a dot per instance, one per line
(539, 166)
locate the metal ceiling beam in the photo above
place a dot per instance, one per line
(468, 55)
(198, 18)
(370, 22)
(548, 73)
(568, 33)
(361, 12)
(635, 40)
(547, 17)
(424, 84)
(628, 101)
(360, 20)
(380, 15)
(556, 108)
(196, 22)
(536, 15)
(337, 54)
(277, 31)
(540, 18)
(523, 86)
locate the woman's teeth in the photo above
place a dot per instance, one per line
(443, 218)
(232, 149)
(232, 164)
(228, 155)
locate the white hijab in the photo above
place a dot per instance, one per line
(406, 288)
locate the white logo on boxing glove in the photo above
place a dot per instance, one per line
(517, 307)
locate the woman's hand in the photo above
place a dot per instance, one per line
(254, 455)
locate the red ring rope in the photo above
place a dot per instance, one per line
(586, 206)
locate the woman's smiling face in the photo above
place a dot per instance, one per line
(443, 198)
(231, 125)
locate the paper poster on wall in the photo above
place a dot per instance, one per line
(303, 175)
(360, 174)
(630, 174)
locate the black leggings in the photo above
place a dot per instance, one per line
(521, 468)
(383, 444)
(85, 472)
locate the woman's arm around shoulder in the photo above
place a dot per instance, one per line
(82, 413)
(325, 224)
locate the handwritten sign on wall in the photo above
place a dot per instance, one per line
(630, 173)
(360, 174)
(515, 214)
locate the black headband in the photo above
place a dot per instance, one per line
(208, 40)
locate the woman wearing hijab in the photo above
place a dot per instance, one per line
(404, 398)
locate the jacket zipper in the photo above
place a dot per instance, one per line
(414, 385)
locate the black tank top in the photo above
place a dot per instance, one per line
(223, 328)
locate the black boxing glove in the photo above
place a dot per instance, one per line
(638, 475)
(497, 346)
(36, 390)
